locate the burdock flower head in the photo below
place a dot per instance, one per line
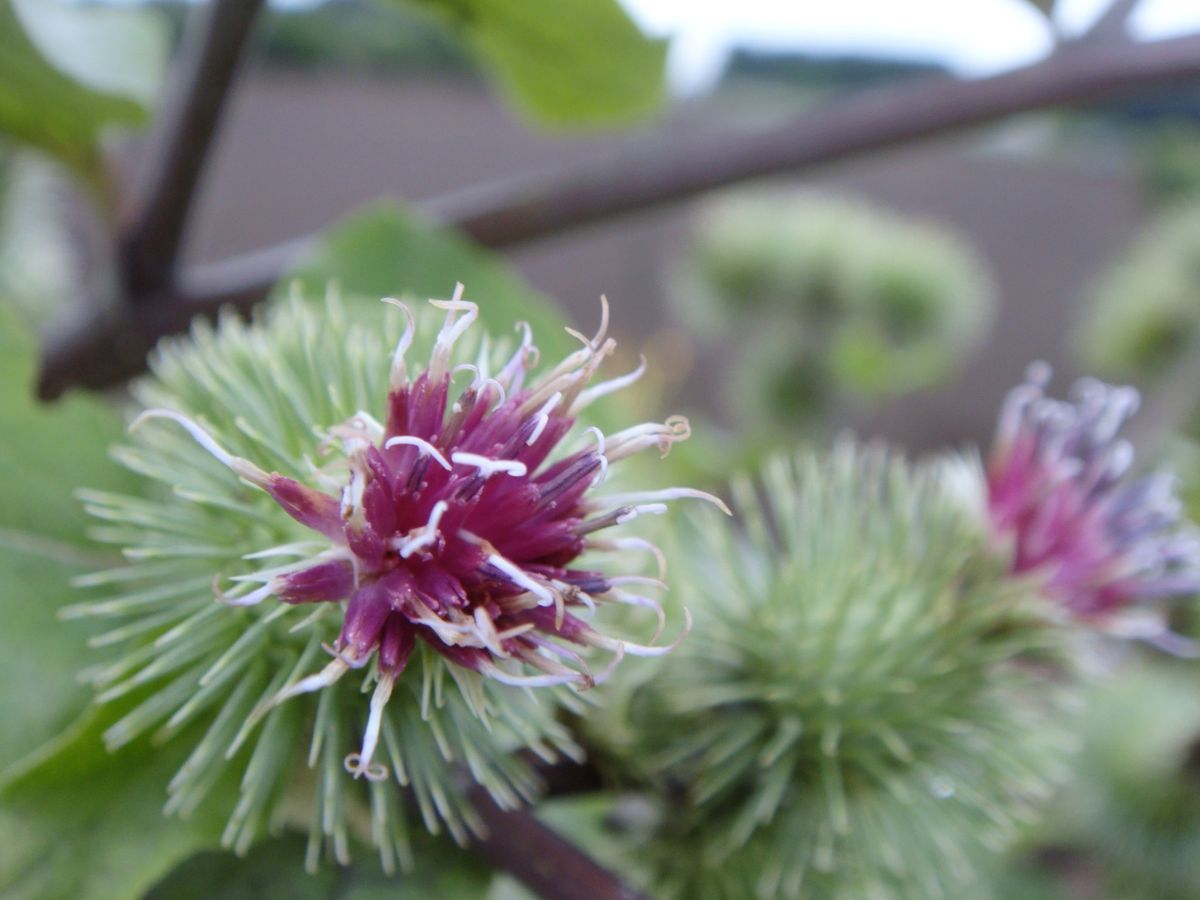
(1107, 547)
(446, 532)
(862, 710)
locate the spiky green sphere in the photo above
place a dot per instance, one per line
(348, 569)
(866, 703)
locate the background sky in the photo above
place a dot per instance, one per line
(972, 37)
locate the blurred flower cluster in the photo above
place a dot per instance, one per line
(840, 300)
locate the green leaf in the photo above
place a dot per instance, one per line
(384, 250)
(77, 822)
(114, 51)
(577, 63)
(273, 870)
(43, 107)
(46, 453)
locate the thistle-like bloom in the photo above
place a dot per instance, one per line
(440, 526)
(1106, 546)
(862, 710)
(449, 524)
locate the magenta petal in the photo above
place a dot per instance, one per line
(544, 619)
(379, 506)
(441, 589)
(1059, 496)
(325, 581)
(309, 507)
(366, 544)
(552, 543)
(366, 613)
(396, 645)
(398, 586)
(468, 657)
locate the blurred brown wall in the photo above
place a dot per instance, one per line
(298, 151)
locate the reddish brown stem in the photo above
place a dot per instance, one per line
(540, 859)
(178, 146)
(521, 209)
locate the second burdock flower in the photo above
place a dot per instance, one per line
(875, 695)
(438, 541)
(869, 706)
(1107, 548)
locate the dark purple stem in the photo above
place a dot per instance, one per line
(154, 218)
(540, 859)
(516, 210)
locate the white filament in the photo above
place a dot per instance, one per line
(633, 543)
(359, 764)
(251, 599)
(323, 679)
(516, 575)
(399, 374)
(639, 437)
(627, 599)
(452, 330)
(599, 640)
(512, 373)
(679, 493)
(644, 509)
(426, 448)
(487, 466)
(543, 417)
(242, 467)
(595, 392)
(423, 536)
(495, 672)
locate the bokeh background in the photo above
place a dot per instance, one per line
(899, 292)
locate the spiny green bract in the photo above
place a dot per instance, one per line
(866, 703)
(268, 392)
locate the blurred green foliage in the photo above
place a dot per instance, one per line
(74, 821)
(1144, 314)
(358, 34)
(36, 269)
(1170, 162)
(273, 871)
(78, 822)
(385, 249)
(577, 63)
(584, 63)
(1131, 816)
(46, 453)
(49, 109)
(825, 300)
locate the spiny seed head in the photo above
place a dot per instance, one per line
(865, 708)
(1107, 548)
(443, 536)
